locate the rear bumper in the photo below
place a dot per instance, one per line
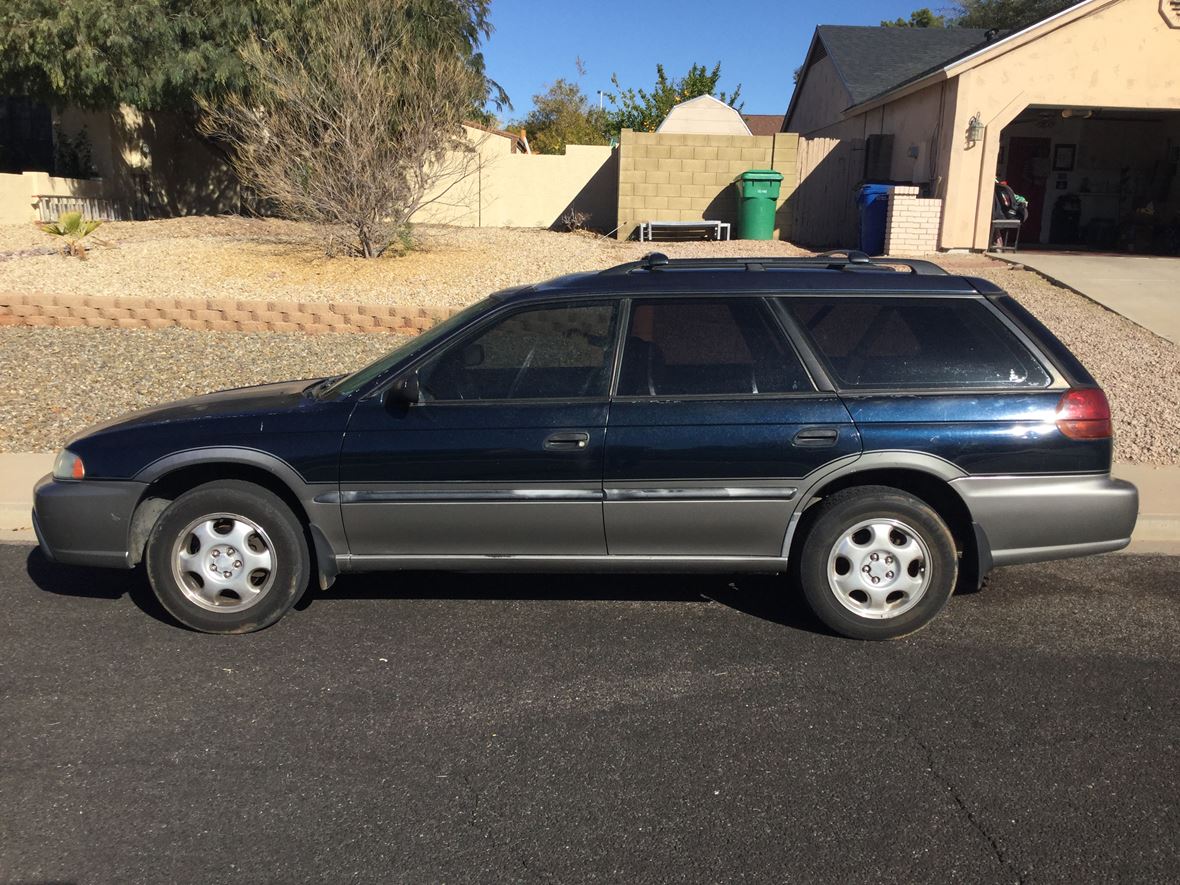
(1038, 518)
(87, 522)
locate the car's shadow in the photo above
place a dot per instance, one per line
(94, 583)
(767, 597)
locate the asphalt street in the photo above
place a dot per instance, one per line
(423, 728)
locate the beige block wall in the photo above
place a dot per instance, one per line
(19, 193)
(683, 177)
(911, 223)
(134, 154)
(488, 186)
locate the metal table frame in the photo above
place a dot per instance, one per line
(646, 228)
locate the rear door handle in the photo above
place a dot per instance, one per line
(567, 441)
(816, 437)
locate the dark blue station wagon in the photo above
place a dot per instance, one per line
(876, 431)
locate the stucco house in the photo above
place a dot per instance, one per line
(115, 164)
(1080, 113)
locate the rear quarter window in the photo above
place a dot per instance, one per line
(915, 343)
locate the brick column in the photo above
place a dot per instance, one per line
(911, 224)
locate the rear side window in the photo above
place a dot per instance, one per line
(915, 343)
(707, 347)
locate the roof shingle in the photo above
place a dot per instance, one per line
(763, 124)
(874, 60)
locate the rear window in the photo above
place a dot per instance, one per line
(915, 343)
(707, 347)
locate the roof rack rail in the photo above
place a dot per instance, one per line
(837, 259)
(650, 261)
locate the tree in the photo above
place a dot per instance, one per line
(1006, 14)
(1002, 14)
(165, 55)
(153, 54)
(919, 18)
(351, 119)
(644, 111)
(562, 115)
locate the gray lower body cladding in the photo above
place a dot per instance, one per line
(87, 522)
(1038, 518)
(1018, 519)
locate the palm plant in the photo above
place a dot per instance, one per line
(72, 228)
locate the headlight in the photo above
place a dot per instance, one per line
(67, 465)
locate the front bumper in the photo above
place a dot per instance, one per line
(86, 522)
(1038, 518)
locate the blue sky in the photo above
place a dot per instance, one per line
(759, 44)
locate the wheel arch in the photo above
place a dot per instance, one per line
(926, 478)
(170, 477)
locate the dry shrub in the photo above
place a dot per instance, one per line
(353, 119)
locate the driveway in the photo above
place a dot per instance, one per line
(410, 728)
(1143, 289)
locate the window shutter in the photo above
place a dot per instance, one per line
(879, 158)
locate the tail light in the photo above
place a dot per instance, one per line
(1084, 414)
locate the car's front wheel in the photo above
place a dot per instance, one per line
(877, 563)
(228, 557)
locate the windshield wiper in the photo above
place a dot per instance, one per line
(315, 389)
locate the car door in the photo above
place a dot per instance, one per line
(503, 454)
(714, 422)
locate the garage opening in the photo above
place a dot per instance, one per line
(1099, 179)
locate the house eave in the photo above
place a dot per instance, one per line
(983, 55)
(815, 38)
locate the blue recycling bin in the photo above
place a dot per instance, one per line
(872, 200)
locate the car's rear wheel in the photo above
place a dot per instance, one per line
(228, 557)
(877, 563)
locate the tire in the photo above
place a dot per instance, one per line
(877, 563)
(228, 557)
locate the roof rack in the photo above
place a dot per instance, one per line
(838, 259)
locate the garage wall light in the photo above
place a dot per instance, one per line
(975, 130)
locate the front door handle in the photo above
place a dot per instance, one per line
(816, 437)
(567, 441)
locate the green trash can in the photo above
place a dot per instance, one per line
(757, 195)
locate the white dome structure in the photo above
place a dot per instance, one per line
(703, 115)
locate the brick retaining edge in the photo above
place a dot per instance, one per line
(214, 314)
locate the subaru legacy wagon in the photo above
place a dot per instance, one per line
(874, 431)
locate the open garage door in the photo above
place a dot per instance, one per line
(1102, 179)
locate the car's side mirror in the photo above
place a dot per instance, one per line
(405, 391)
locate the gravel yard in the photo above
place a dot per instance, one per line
(260, 259)
(57, 381)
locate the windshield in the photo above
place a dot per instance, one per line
(352, 383)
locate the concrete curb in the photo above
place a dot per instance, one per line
(18, 473)
(213, 314)
(1158, 529)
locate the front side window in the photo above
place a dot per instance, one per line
(915, 343)
(546, 352)
(701, 347)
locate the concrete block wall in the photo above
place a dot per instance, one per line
(213, 314)
(911, 223)
(684, 177)
(488, 186)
